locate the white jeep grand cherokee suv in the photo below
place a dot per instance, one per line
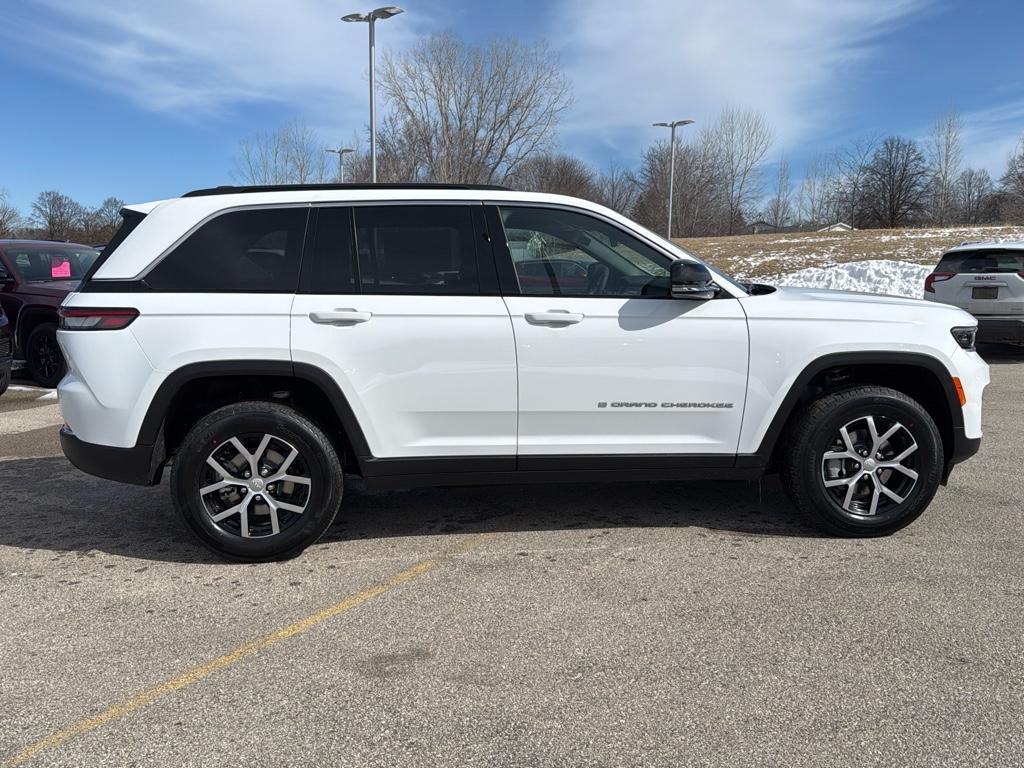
(264, 341)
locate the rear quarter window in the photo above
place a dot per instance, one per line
(254, 251)
(982, 261)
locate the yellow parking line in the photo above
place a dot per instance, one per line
(196, 674)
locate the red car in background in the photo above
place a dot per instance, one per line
(35, 276)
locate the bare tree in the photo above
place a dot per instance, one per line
(10, 217)
(779, 211)
(851, 175)
(740, 139)
(1012, 185)
(975, 196)
(57, 215)
(289, 154)
(945, 157)
(556, 173)
(817, 193)
(897, 180)
(99, 224)
(468, 114)
(617, 189)
(700, 204)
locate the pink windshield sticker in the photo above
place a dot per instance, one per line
(60, 269)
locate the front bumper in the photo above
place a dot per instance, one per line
(139, 465)
(963, 448)
(1001, 329)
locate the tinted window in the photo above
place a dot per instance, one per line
(332, 268)
(255, 250)
(991, 260)
(49, 263)
(559, 252)
(416, 249)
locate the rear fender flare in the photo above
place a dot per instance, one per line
(152, 423)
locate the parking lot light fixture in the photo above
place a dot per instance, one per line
(385, 12)
(671, 167)
(341, 152)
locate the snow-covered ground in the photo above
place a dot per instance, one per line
(895, 278)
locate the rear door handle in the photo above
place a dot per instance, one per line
(340, 317)
(553, 317)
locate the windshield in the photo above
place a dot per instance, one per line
(49, 263)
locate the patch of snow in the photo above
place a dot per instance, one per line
(885, 276)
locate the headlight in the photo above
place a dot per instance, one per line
(965, 335)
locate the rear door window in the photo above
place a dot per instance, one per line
(982, 261)
(256, 250)
(416, 249)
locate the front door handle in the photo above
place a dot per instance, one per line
(340, 317)
(553, 317)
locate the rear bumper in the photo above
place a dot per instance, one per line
(139, 465)
(1000, 329)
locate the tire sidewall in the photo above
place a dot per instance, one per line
(214, 430)
(929, 443)
(39, 332)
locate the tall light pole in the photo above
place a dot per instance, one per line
(671, 168)
(378, 13)
(341, 152)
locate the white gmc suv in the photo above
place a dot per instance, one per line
(266, 340)
(984, 278)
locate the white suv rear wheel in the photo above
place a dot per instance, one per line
(257, 481)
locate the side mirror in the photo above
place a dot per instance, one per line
(690, 280)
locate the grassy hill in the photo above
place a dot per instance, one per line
(772, 255)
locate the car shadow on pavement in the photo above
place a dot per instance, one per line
(739, 507)
(45, 504)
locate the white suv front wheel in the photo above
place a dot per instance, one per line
(257, 481)
(865, 461)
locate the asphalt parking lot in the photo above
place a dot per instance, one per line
(640, 624)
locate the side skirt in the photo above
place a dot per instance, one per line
(389, 474)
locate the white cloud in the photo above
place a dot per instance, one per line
(990, 135)
(804, 63)
(197, 58)
(634, 63)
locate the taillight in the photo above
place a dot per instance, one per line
(93, 319)
(936, 277)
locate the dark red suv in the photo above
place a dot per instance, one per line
(35, 276)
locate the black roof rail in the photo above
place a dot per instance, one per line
(232, 190)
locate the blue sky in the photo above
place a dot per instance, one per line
(144, 100)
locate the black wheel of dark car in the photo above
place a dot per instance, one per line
(257, 481)
(43, 357)
(5, 381)
(862, 462)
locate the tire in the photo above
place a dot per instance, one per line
(267, 431)
(5, 380)
(43, 357)
(820, 485)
